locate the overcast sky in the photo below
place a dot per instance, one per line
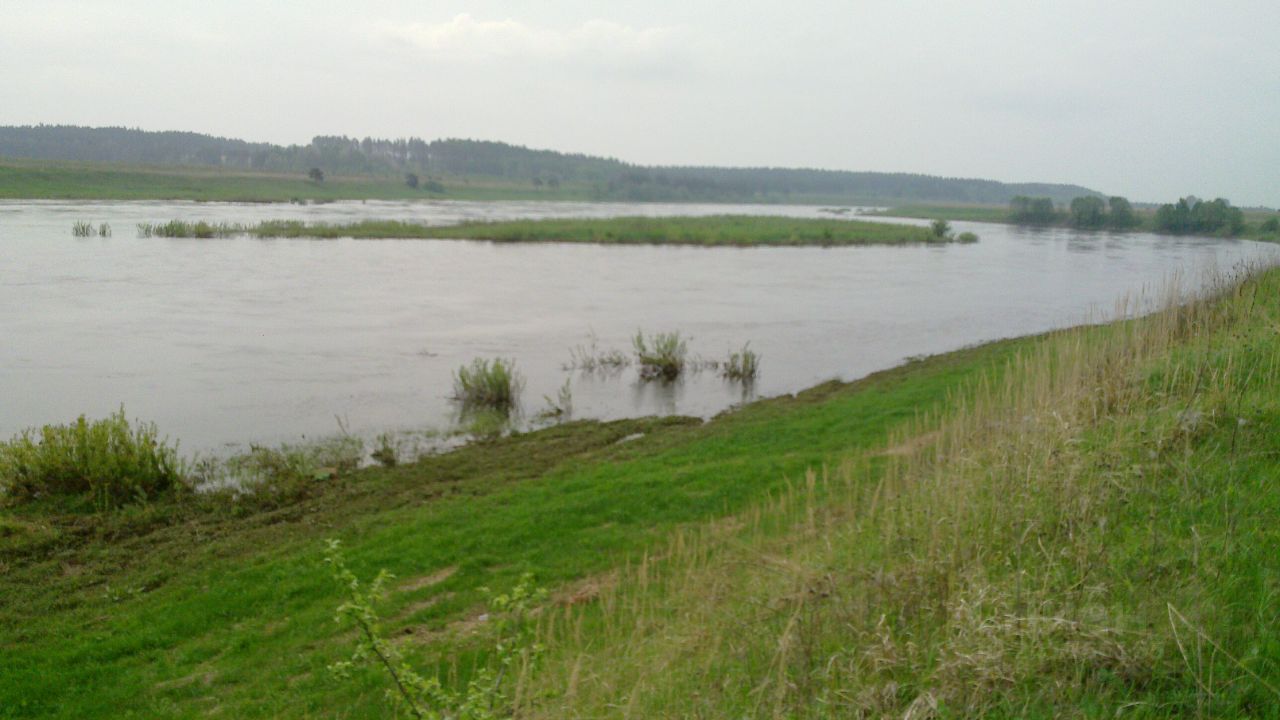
(1148, 99)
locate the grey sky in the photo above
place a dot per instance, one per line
(1148, 99)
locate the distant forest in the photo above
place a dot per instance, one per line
(606, 178)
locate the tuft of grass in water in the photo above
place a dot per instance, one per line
(386, 451)
(741, 365)
(940, 228)
(108, 462)
(661, 355)
(82, 229)
(561, 406)
(484, 424)
(966, 237)
(284, 473)
(488, 384)
(591, 359)
(104, 230)
(182, 229)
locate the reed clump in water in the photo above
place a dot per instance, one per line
(183, 229)
(488, 385)
(660, 355)
(741, 365)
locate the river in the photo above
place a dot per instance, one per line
(232, 341)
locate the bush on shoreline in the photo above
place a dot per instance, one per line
(108, 461)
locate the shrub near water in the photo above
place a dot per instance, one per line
(107, 460)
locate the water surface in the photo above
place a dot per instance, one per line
(239, 340)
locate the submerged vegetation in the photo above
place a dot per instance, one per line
(85, 229)
(181, 229)
(591, 359)
(660, 355)
(741, 365)
(488, 385)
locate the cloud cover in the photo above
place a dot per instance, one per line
(1147, 99)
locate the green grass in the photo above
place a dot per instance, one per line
(173, 609)
(720, 230)
(47, 180)
(1077, 520)
(1091, 533)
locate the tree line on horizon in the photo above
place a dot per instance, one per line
(547, 170)
(1188, 215)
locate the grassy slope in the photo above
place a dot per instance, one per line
(1029, 566)
(1094, 535)
(1000, 214)
(740, 230)
(158, 619)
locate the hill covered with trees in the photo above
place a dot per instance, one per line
(604, 178)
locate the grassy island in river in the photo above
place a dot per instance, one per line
(718, 230)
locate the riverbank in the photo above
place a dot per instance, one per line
(711, 231)
(1009, 526)
(140, 608)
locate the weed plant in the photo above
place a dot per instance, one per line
(661, 355)
(284, 473)
(561, 406)
(484, 424)
(488, 384)
(591, 359)
(386, 451)
(82, 229)
(109, 462)
(182, 229)
(490, 692)
(741, 365)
